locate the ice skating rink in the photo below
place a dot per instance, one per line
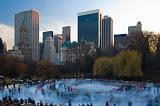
(79, 91)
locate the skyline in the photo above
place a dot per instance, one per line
(53, 17)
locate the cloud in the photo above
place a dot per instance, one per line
(7, 34)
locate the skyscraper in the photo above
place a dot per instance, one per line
(27, 34)
(89, 26)
(58, 40)
(107, 38)
(49, 52)
(66, 33)
(47, 34)
(135, 29)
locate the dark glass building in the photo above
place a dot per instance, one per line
(3, 47)
(66, 33)
(47, 34)
(89, 26)
(41, 50)
(121, 42)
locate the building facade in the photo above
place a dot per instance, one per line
(27, 34)
(58, 40)
(135, 29)
(72, 52)
(107, 38)
(121, 42)
(3, 47)
(89, 26)
(49, 51)
(68, 54)
(66, 33)
(47, 34)
(41, 46)
(15, 52)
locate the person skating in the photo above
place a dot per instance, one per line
(107, 103)
(129, 103)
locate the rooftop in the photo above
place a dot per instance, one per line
(28, 11)
(69, 44)
(89, 12)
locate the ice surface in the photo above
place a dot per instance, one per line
(83, 92)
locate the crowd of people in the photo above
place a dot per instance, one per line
(8, 101)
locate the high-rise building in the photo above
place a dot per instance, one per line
(47, 34)
(107, 38)
(49, 52)
(66, 33)
(135, 29)
(58, 40)
(121, 42)
(27, 34)
(89, 26)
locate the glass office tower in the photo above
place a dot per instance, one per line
(89, 26)
(66, 32)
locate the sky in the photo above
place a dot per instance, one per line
(54, 14)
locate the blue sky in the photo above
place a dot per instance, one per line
(55, 14)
